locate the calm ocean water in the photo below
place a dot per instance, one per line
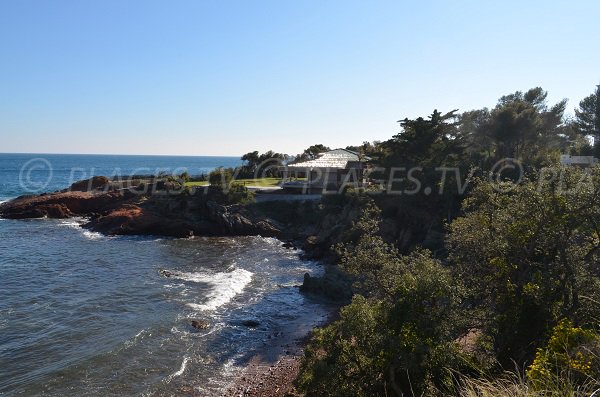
(36, 173)
(86, 315)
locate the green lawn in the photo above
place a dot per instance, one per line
(262, 182)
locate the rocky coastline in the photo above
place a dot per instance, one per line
(127, 211)
(111, 210)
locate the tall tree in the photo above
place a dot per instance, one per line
(587, 117)
(431, 142)
(312, 152)
(475, 128)
(523, 126)
(252, 160)
(261, 165)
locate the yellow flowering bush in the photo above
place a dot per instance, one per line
(571, 351)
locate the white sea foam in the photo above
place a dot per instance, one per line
(76, 223)
(176, 331)
(147, 240)
(72, 222)
(180, 371)
(91, 235)
(224, 286)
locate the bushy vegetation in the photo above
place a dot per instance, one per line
(400, 331)
(510, 305)
(225, 191)
(572, 354)
(257, 165)
(220, 177)
(529, 257)
(237, 194)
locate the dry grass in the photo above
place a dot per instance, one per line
(515, 385)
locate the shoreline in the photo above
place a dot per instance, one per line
(268, 371)
(272, 371)
(260, 377)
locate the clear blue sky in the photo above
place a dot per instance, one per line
(227, 77)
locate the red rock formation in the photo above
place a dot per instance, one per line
(125, 213)
(133, 220)
(94, 183)
(60, 205)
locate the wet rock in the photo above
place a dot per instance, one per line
(168, 273)
(315, 247)
(334, 285)
(289, 245)
(266, 229)
(200, 324)
(234, 220)
(251, 323)
(56, 211)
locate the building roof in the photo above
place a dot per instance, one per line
(338, 158)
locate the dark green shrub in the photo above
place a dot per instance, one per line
(238, 194)
(220, 177)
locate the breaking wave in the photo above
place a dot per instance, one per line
(92, 235)
(224, 286)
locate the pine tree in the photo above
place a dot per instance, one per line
(587, 117)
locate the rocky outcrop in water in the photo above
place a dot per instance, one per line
(236, 220)
(335, 285)
(251, 323)
(134, 220)
(61, 204)
(127, 212)
(200, 324)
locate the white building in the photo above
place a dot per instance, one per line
(331, 169)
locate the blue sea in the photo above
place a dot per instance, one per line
(37, 173)
(83, 314)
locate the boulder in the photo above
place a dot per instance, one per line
(58, 211)
(289, 245)
(167, 273)
(251, 323)
(314, 247)
(266, 229)
(200, 324)
(235, 221)
(335, 285)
